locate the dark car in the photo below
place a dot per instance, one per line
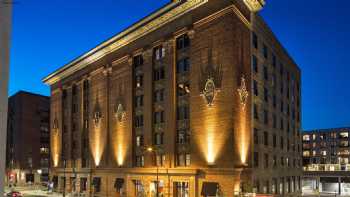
(14, 194)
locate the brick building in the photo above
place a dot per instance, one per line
(326, 154)
(28, 139)
(197, 99)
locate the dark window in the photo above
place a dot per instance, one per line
(266, 73)
(274, 121)
(274, 161)
(265, 51)
(281, 142)
(256, 113)
(183, 137)
(274, 141)
(158, 117)
(139, 121)
(256, 159)
(274, 101)
(182, 42)
(266, 117)
(255, 63)
(274, 61)
(139, 101)
(255, 40)
(266, 95)
(183, 65)
(266, 158)
(183, 112)
(255, 86)
(158, 74)
(266, 138)
(256, 136)
(282, 124)
(138, 61)
(159, 95)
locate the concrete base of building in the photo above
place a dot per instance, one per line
(125, 182)
(331, 183)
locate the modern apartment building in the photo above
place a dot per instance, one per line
(28, 139)
(5, 31)
(197, 99)
(326, 164)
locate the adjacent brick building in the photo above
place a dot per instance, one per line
(28, 138)
(326, 154)
(197, 99)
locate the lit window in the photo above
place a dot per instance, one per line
(306, 137)
(324, 153)
(306, 153)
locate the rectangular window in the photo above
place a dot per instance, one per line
(266, 95)
(139, 81)
(266, 117)
(256, 136)
(183, 65)
(183, 112)
(266, 139)
(266, 158)
(158, 138)
(183, 159)
(159, 95)
(255, 40)
(281, 142)
(138, 61)
(274, 121)
(139, 121)
(159, 52)
(183, 137)
(158, 117)
(274, 101)
(274, 140)
(274, 161)
(139, 101)
(255, 86)
(182, 42)
(256, 113)
(158, 74)
(181, 189)
(265, 51)
(183, 89)
(139, 141)
(255, 63)
(266, 73)
(140, 161)
(256, 159)
(274, 61)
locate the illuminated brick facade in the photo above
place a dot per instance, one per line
(173, 91)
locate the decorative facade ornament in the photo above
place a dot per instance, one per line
(55, 124)
(119, 108)
(254, 5)
(120, 112)
(243, 92)
(97, 113)
(210, 78)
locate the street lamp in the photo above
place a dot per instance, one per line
(64, 175)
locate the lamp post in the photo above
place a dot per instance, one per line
(64, 178)
(152, 150)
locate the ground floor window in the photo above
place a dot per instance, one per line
(96, 182)
(153, 189)
(83, 184)
(181, 189)
(139, 189)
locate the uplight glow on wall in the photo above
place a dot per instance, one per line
(55, 146)
(97, 138)
(118, 142)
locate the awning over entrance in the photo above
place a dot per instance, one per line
(209, 189)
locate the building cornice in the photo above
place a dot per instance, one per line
(156, 20)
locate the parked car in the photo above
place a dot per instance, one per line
(14, 194)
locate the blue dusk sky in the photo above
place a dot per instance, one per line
(48, 34)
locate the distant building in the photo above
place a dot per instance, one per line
(326, 154)
(28, 139)
(5, 32)
(197, 99)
